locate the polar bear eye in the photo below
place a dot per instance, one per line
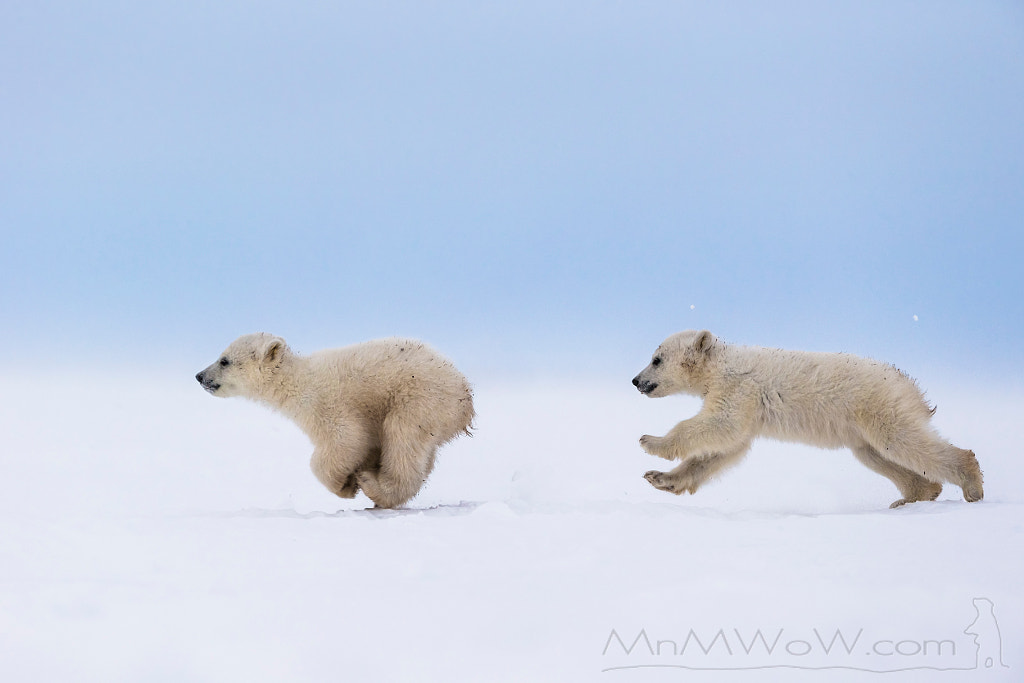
(656, 362)
(224, 362)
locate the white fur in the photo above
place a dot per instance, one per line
(376, 412)
(830, 400)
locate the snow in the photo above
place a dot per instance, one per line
(154, 533)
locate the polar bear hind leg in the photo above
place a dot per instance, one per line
(913, 487)
(922, 453)
(407, 452)
(969, 472)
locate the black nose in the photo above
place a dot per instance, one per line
(199, 377)
(636, 381)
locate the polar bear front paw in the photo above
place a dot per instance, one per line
(662, 482)
(655, 445)
(349, 489)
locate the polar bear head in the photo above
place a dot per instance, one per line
(677, 365)
(245, 367)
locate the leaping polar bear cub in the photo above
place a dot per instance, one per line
(376, 412)
(829, 400)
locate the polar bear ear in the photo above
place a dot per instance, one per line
(704, 341)
(272, 349)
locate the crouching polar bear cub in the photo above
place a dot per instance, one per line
(830, 400)
(376, 412)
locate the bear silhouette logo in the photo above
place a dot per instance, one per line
(985, 630)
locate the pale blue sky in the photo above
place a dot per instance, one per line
(527, 185)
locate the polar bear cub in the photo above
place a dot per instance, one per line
(830, 400)
(376, 412)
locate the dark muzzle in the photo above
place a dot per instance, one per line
(207, 384)
(644, 386)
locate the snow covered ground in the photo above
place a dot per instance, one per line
(154, 533)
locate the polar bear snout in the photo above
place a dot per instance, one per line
(643, 385)
(208, 383)
(647, 388)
